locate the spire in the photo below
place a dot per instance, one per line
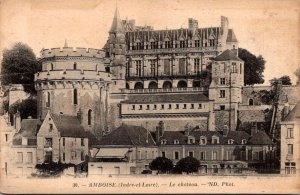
(117, 23)
(66, 43)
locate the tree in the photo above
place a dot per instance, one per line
(188, 165)
(285, 80)
(297, 73)
(161, 164)
(19, 65)
(254, 67)
(27, 107)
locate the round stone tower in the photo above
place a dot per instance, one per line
(74, 82)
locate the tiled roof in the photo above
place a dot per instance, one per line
(166, 98)
(128, 135)
(227, 55)
(260, 138)
(231, 36)
(69, 126)
(171, 136)
(237, 136)
(294, 115)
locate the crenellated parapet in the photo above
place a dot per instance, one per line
(72, 52)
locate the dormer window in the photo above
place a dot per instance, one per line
(244, 141)
(215, 140)
(230, 141)
(203, 140)
(191, 140)
(163, 141)
(176, 141)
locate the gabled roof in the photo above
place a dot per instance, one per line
(227, 55)
(128, 135)
(260, 138)
(237, 136)
(68, 126)
(294, 115)
(231, 36)
(167, 98)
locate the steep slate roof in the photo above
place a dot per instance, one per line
(28, 129)
(128, 135)
(117, 23)
(237, 136)
(294, 115)
(227, 55)
(231, 36)
(260, 138)
(166, 98)
(69, 126)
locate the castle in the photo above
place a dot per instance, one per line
(149, 93)
(143, 76)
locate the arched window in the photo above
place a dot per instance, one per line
(48, 99)
(90, 117)
(167, 85)
(181, 84)
(139, 85)
(127, 86)
(75, 96)
(251, 102)
(51, 66)
(75, 66)
(153, 85)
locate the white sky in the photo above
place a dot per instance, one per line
(269, 28)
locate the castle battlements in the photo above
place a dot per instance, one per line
(72, 51)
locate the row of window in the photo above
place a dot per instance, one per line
(29, 158)
(169, 106)
(147, 155)
(49, 142)
(169, 44)
(74, 66)
(233, 67)
(202, 141)
(167, 67)
(214, 155)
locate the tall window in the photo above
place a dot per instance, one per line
(176, 155)
(234, 70)
(290, 149)
(251, 103)
(152, 45)
(197, 43)
(202, 156)
(29, 157)
(196, 65)
(222, 93)
(290, 133)
(182, 66)
(48, 99)
(75, 96)
(167, 67)
(90, 117)
(163, 154)
(167, 44)
(48, 142)
(138, 46)
(20, 157)
(138, 68)
(75, 66)
(181, 44)
(152, 66)
(222, 81)
(214, 155)
(51, 66)
(64, 141)
(82, 156)
(82, 142)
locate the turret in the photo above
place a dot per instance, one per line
(226, 89)
(117, 49)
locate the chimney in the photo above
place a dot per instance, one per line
(17, 121)
(225, 130)
(253, 129)
(160, 130)
(187, 129)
